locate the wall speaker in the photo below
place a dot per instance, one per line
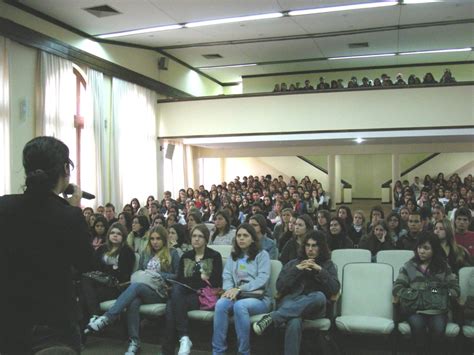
(169, 151)
(163, 63)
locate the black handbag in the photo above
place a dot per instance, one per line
(102, 278)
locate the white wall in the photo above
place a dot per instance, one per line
(415, 107)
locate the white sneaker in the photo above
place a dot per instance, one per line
(97, 323)
(185, 345)
(133, 347)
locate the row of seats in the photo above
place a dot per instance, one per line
(364, 305)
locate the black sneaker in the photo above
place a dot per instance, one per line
(260, 326)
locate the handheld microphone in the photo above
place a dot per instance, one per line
(70, 190)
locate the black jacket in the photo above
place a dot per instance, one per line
(42, 241)
(126, 261)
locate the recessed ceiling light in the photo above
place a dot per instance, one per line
(233, 19)
(364, 56)
(406, 2)
(467, 49)
(228, 66)
(359, 140)
(140, 31)
(321, 10)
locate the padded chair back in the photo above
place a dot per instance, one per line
(466, 282)
(224, 250)
(276, 267)
(137, 261)
(367, 290)
(341, 257)
(396, 258)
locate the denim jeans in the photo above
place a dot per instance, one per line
(179, 303)
(426, 330)
(131, 299)
(292, 310)
(242, 310)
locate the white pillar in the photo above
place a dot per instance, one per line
(395, 174)
(160, 166)
(337, 178)
(331, 189)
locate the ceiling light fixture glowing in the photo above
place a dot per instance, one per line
(467, 49)
(359, 140)
(322, 10)
(364, 56)
(406, 2)
(228, 66)
(233, 19)
(140, 31)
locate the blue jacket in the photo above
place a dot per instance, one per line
(258, 271)
(270, 246)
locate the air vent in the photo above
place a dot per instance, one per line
(358, 45)
(212, 56)
(102, 11)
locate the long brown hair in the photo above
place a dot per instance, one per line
(254, 248)
(163, 255)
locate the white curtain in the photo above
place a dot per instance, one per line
(178, 171)
(57, 101)
(134, 147)
(96, 132)
(4, 119)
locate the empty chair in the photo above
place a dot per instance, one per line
(366, 300)
(396, 258)
(466, 283)
(224, 250)
(341, 257)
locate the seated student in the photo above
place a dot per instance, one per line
(304, 286)
(195, 268)
(456, 255)
(87, 212)
(178, 239)
(427, 325)
(247, 270)
(158, 258)
(338, 238)
(99, 231)
(415, 226)
(137, 239)
(259, 223)
(377, 240)
(125, 219)
(114, 258)
(395, 229)
(322, 221)
(303, 225)
(464, 237)
(282, 226)
(345, 213)
(357, 228)
(223, 234)
(404, 213)
(376, 214)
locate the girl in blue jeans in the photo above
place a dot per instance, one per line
(248, 269)
(157, 257)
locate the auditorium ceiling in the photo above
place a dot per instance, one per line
(282, 44)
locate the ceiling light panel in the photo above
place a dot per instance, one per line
(351, 7)
(234, 19)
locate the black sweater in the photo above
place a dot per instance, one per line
(126, 260)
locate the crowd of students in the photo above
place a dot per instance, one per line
(264, 219)
(383, 81)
